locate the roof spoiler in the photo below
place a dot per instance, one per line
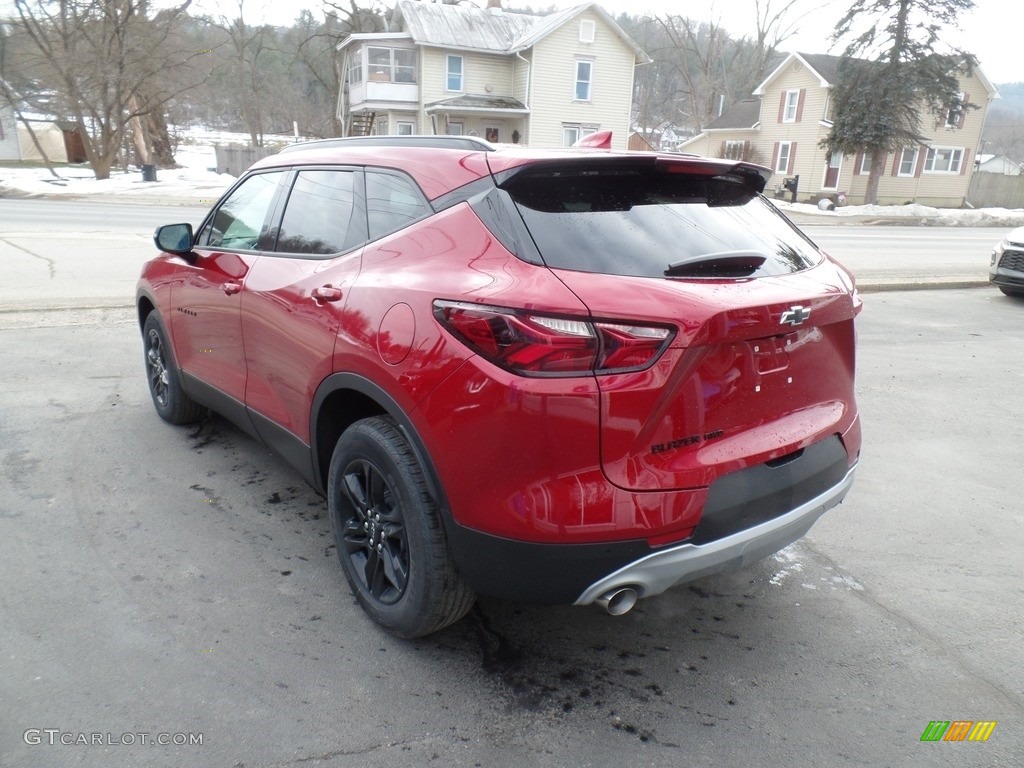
(598, 140)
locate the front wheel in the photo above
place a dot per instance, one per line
(169, 399)
(389, 533)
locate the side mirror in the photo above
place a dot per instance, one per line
(174, 238)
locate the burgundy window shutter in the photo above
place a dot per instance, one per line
(782, 106)
(858, 161)
(775, 156)
(897, 160)
(922, 153)
(792, 157)
(800, 104)
(963, 160)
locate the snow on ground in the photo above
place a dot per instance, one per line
(912, 213)
(197, 181)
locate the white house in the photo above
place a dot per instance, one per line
(506, 77)
(996, 164)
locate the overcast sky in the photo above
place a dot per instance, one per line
(992, 31)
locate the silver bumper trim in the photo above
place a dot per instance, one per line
(653, 574)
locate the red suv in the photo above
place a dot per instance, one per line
(549, 376)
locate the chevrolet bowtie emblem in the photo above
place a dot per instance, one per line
(795, 315)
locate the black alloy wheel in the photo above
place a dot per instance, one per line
(389, 533)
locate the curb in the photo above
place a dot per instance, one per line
(870, 286)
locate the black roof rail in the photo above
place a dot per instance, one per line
(432, 142)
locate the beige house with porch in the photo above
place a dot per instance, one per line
(514, 78)
(783, 125)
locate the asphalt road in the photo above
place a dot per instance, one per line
(57, 253)
(159, 580)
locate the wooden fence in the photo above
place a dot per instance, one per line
(994, 190)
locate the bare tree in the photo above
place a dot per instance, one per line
(699, 67)
(94, 60)
(247, 45)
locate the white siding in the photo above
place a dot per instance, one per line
(552, 100)
(478, 72)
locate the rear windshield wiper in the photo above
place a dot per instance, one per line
(721, 264)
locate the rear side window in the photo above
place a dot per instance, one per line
(392, 201)
(320, 215)
(656, 221)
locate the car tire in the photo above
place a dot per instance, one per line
(169, 399)
(389, 533)
(1015, 293)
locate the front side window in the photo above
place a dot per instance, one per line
(453, 80)
(241, 220)
(319, 217)
(943, 160)
(584, 79)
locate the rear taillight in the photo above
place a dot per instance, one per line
(533, 344)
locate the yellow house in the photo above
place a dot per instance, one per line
(514, 78)
(782, 127)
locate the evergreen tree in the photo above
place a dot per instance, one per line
(878, 103)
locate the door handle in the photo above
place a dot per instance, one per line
(327, 293)
(230, 288)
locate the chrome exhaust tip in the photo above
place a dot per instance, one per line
(618, 601)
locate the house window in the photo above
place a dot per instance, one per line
(405, 128)
(943, 160)
(782, 162)
(456, 127)
(492, 134)
(453, 69)
(908, 157)
(789, 110)
(865, 163)
(380, 127)
(573, 132)
(584, 77)
(954, 116)
(355, 70)
(404, 65)
(378, 65)
(587, 29)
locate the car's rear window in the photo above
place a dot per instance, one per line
(656, 221)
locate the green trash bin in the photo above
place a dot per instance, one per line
(149, 173)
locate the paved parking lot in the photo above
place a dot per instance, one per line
(179, 583)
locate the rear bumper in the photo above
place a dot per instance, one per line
(655, 573)
(748, 516)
